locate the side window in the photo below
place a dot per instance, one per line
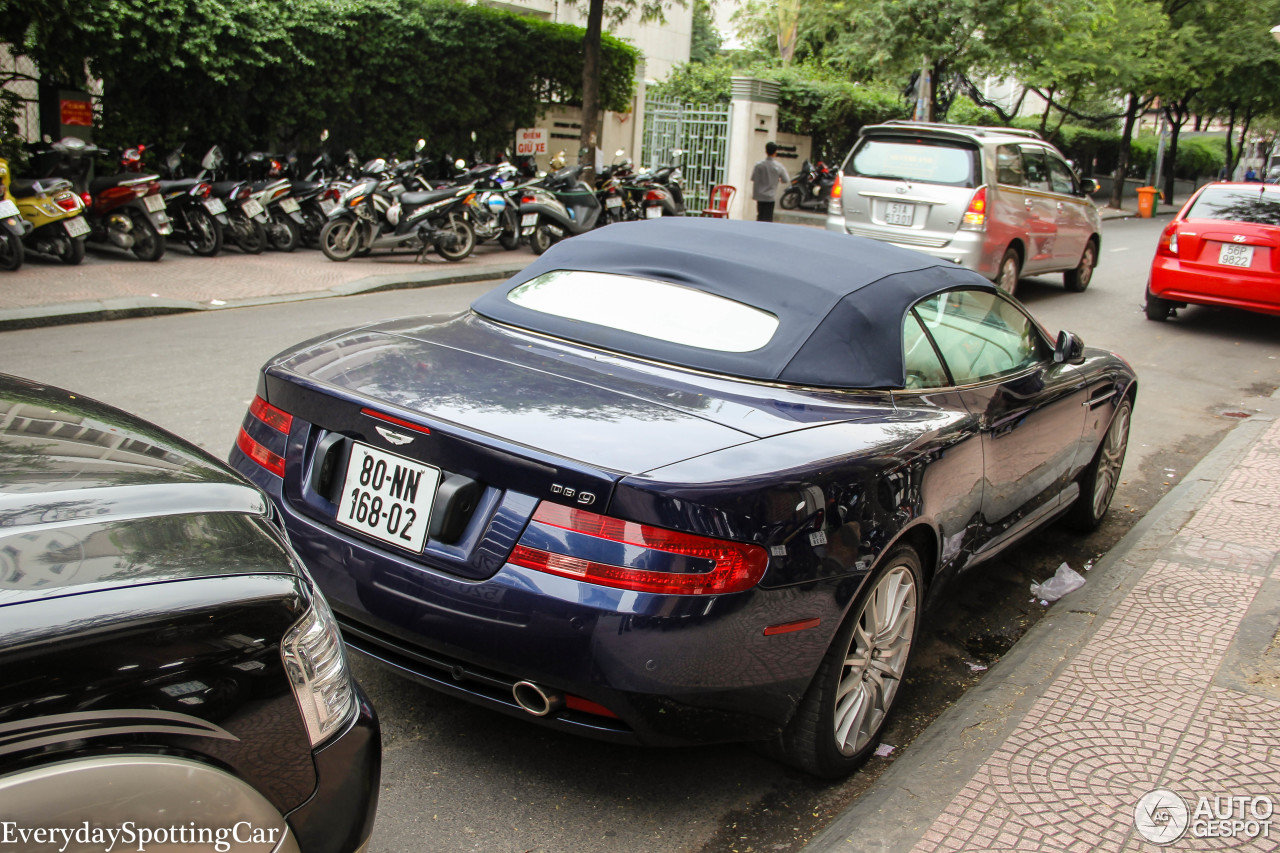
(1009, 166)
(1061, 177)
(924, 369)
(1036, 168)
(981, 335)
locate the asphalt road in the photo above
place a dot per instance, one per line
(458, 778)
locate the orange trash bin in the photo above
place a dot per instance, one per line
(1147, 201)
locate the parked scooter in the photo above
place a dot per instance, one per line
(54, 213)
(377, 213)
(284, 216)
(562, 206)
(494, 206)
(192, 211)
(810, 188)
(124, 210)
(660, 190)
(12, 229)
(246, 218)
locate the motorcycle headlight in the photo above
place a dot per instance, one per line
(316, 662)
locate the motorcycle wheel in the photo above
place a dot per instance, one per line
(540, 240)
(340, 239)
(313, 223)
(790, 199)
(71, 251)
(510, 237)
(283, 233)
(11, 252)
(148, 243)
(204, 237)
(465, 243)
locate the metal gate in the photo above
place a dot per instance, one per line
(701, 132)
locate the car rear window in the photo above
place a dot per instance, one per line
(655, 309)
(928, 161)
(1258, 204)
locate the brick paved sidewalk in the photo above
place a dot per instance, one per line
(1160, 673)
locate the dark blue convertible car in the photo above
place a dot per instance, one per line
(683, 481)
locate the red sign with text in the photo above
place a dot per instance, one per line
(78, 113)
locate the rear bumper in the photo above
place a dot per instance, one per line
(1178, 282)
(969, 249)
(674, 669)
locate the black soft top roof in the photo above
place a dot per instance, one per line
(839, 299)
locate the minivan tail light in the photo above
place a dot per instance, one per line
(835, 205)
(1168, 245)
(975, 216)
(610, 552)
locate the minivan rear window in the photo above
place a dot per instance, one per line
(1257, 204)
(927, 161)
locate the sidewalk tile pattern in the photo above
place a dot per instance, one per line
(1137, 708)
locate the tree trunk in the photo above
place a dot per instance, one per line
(590, 138)
(1230, 165)
(1177, 113)
(1122, 158)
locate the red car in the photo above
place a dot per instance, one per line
(1223, 248)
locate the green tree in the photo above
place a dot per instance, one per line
(705, 41)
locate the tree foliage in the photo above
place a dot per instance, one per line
(249, 73)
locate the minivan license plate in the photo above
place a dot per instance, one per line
(1235, 255)
(897, 213)
(388, 497)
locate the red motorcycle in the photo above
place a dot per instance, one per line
(811, 188)
(124, 210)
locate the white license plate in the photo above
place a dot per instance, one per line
(897, 213)
(388, 497)
(289, 205)
(7, 209)
(613, 201)
(215, 206)
(1235, 255)
(154, 203)
(327, 205)
(252, 208)
(528, 219)
(654, 212)
(76, 226)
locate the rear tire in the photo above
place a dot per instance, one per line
(283, 233)
(204, 237)
(790, 199)
(11, 251)
(1157, 309)
(1078, 279)
(465, 242)
(340, 239)
(148, 243)
(510, 237)
(73, 251)
(1098, 482)
(540, 240)
(838, 723)
(1010, 269)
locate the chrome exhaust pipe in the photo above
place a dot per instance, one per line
(536, 699)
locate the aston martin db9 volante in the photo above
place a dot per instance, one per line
(172, 680)
(683, 481)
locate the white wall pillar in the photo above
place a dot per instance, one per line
(752, 122)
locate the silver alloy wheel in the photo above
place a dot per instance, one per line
(876, 660)
(1110, 459)
(1085, 270)
(1008, 279)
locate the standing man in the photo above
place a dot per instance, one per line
(765, 178)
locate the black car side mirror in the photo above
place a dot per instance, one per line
(1069, 349)
(1088, 186)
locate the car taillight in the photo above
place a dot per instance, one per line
(274, 418)
(975, 216)
(1169, 241)
(316, 663)
(597, 549)
(835, 204)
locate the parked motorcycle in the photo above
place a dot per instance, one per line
(284, 216)
(810, 188)
(660, 190)
(562, 206)
(124, 210)
(246, 217)
(54, 213)
(189, 203)
(494, 207)
(377, 213)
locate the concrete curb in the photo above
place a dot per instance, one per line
(904, 802)
(137, 306)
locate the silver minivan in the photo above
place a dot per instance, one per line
(997, 200)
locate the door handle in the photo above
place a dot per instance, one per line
(1029, 203)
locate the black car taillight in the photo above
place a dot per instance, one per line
(582, 545)
(278, 421)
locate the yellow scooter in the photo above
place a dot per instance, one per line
(12, 227)
(54, 211)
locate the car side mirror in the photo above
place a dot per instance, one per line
(1069, 349)
(1088, 186)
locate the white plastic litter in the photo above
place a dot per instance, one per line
(884, 750)
(1064, 580)
(977, 667)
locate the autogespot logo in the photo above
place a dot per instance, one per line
(1161, 816)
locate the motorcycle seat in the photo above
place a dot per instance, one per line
(304, 187)
(417, 199)
(180, 184)
(106, 182)
(222, 189)
(22, 187)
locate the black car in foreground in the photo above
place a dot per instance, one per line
(171, 677)
(683, 481)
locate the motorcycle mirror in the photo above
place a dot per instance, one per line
(324, 135)
(419, 145)
(473, 136)
(174, 161)
(619, 152)
(460, 163)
